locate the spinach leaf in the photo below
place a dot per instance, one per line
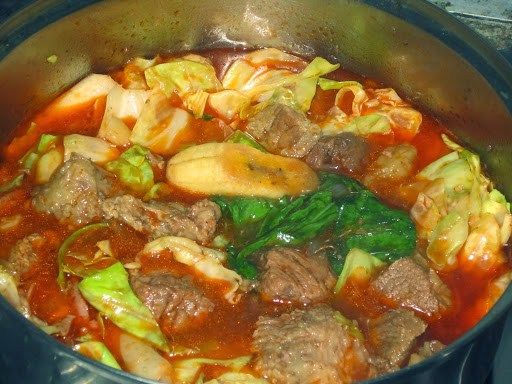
(366, 223)
(289, 222)
(244, 210)
(358, 219)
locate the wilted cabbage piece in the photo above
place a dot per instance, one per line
(159, 124)
(93, 148)
(186, 370)
(63, 249)
(358, 265)
(191, 77)
(98, 351)
(109, 291)
(258, 83)
(121, 104)
(133, 169)
(459, 209)
(206, 261)
(372, 111)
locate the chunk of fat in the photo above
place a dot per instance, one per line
(90, 88)
(143, 360)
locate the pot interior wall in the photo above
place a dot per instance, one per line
(363, 38)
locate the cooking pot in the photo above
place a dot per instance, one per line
(424, 53)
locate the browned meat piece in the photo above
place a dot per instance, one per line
(283, 131)
(345, 152)
(74, 191)
(290, 276)
(407, 284)
(394, 163)
(158, 219)
(309, 346)
(24, 253)
(174, 301)
(392, 335)
(426, 350)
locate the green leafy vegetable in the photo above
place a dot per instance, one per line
(328, 84)
(63, 249)
(157, 191)
(182, 75)
(458, 195)
(368, 124)
(109, 291)
(186, 370)
(133, 168)
(239, 137)
(98, 351)
(290, 222)
(45, 143)
(366, 223)
(244, 210)
(359, 264)
(360, 221)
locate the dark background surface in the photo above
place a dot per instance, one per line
(493, 20)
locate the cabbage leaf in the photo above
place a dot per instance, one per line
(358, 264)
(453, 206)
(66, 244)
(93, 148)
(158, 125)
(258, 82)
(133, 169)
(109, 291)
(204, 260)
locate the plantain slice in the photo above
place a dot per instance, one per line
(239, 170)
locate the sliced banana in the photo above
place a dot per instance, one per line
(239, 170)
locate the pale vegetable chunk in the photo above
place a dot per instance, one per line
(90, 88)
(159, 124)
(143, 360)
(121, 104)
(92, 148)
(239, 170)
(47, 164)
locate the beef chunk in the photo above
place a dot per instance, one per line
(407, 284)
(158, 219)
(74, 191)
(283, 131)
(309, 346)
(345, 152)
(426, 350)
(394, 163)
(290, 276)
(392, 335)
(24, 254)
(174, 301)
